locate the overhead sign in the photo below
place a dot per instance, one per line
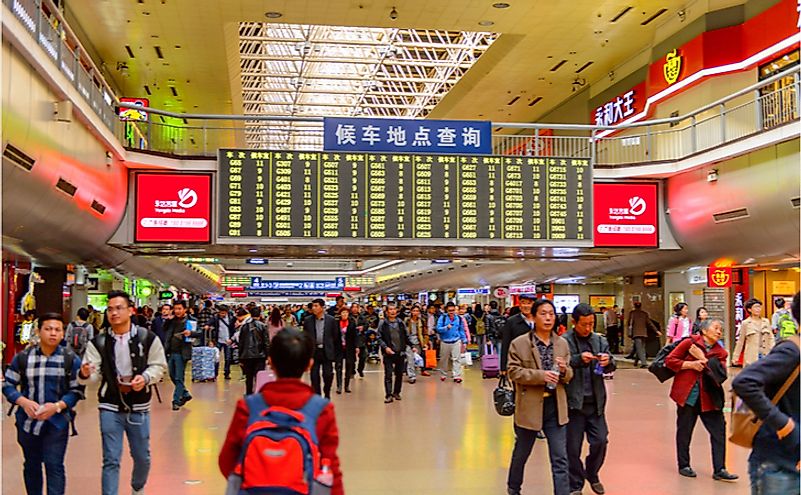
(257, 261)
(470, 291)
(173, 208)
(133, 114)
(270, 196)
(625, 215)
(166, 294)
(523, 289)
(407, 136)
(257, 284)
(184, 259)
(652, 279)
(719, 276)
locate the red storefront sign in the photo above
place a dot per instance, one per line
(620, 107)
(719, 276)
(625, 215)
(173, 208)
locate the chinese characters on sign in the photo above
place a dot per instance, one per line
(625, 215)
(410, 136)
(173, 207)
(615, 111)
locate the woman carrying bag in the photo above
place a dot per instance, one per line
(700, 366)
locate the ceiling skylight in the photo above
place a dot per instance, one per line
(317, 71)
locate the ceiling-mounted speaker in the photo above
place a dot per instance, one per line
(627, 280)
(62, 111)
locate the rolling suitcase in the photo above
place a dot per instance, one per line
(490, 363)
(202, 364)
(263, 377)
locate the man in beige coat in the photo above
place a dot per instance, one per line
(538, 367)
(756, 335)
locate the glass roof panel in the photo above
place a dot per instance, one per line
(304, 70)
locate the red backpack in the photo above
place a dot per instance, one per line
(280, 454)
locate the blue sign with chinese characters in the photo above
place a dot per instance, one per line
(407, 136)
(257, 284)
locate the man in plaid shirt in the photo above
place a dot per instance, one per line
(45, 397)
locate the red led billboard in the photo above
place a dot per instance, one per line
(173, 208)
(625, 215)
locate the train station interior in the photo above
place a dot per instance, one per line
(256, 156)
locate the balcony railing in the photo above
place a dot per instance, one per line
(739, 115)
(47, 28)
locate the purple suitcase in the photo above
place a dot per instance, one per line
(490, 363)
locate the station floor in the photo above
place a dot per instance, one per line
(442, 438)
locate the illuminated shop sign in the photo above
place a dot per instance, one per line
(173, 208)
(625, 215)
(671, 69)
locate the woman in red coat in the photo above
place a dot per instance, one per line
(700, 365)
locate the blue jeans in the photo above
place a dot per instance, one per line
(177, 365)
(769, 479)
(137, 427)
(557, 450)
(225, 350)
(49, 449)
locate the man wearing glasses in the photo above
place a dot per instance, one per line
(126, 361)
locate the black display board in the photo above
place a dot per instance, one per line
(325, 195)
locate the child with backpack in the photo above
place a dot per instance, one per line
(79, 332)
(287, 419)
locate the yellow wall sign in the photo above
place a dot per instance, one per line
(672, 67)
(783, 287)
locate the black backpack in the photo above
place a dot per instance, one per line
(78, 336)
(69, 361)
(658, 368)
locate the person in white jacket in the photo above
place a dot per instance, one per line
(126, 361)
(756, 337)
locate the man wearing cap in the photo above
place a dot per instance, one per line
(517, 325)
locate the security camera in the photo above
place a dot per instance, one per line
(682, 15)
(393, 14)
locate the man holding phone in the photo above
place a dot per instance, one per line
(126, 361)
(586, 400)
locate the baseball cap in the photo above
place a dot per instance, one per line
(527, 295)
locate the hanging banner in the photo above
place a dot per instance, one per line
(407, 136)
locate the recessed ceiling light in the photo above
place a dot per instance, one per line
(273, 15)
(501, 5)
(485, 23)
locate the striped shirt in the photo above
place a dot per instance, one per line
(45, 383)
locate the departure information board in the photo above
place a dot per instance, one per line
(327, 195)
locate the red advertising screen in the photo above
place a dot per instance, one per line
(173, 208)
(625, 215)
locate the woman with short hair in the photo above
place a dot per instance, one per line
(700, 366)
(756, 337)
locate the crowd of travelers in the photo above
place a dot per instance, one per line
(555, 369)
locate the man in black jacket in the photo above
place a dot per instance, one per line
(586, 399)
(517, 325)
(253, 347)
(773, 464)
(393, 341)
(179, 333)
(220, 330)
(324, 332)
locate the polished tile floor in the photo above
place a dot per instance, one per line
(442, 438)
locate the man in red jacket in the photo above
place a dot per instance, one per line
(291, 354)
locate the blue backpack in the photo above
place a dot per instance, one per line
(280, 454)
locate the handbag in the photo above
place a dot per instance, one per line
(504, 397)
(431, 358)
(744, 423)
(467, 359)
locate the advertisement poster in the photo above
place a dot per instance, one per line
(173, 208)
(625, 215)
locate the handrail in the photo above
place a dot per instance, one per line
(513, 125)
